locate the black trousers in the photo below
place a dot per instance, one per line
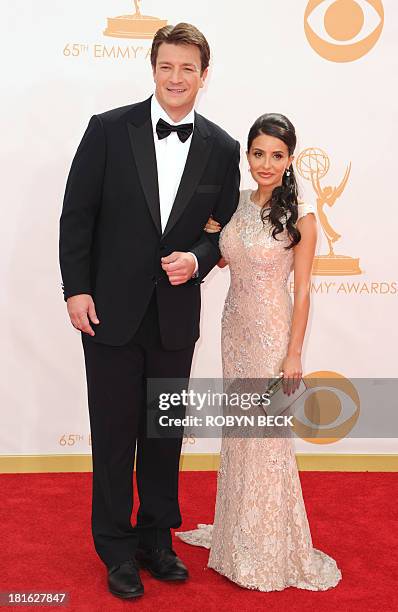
(116, 384)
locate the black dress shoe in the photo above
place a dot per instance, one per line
(124, 580)
(162, 563)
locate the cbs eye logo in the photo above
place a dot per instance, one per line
(329, 410)
(343, 30)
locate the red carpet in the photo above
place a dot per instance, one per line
(46, 546)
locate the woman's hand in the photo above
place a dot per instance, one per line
(292, 373)
(212, 226)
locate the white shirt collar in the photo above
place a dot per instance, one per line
(157, 112)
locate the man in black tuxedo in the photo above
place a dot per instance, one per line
(143, 183)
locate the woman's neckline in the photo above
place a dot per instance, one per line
(251, 191)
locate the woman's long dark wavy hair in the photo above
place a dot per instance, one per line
(283, 203)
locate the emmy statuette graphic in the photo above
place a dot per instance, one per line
(313, 164)
(135, 25)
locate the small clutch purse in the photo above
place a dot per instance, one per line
(280, 401)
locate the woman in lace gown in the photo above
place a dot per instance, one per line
(261, 537)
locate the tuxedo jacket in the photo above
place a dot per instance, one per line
(111, 241)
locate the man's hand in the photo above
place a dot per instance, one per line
(79, 306)
(179, 267)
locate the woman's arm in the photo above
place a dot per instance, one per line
(212, 226)
(304, 253)
(222, 263)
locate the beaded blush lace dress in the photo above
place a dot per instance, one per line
(260, 538)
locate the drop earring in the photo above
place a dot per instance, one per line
(287, 172)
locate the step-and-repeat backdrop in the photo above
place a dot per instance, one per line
(329, 65)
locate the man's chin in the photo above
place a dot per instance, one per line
(176, 102)
(178, 98)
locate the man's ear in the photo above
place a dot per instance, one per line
(204, 76)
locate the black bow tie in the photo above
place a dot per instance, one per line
(164, 129)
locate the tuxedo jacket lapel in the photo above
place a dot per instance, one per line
(141, 140)
(143, 147)
(198, 156)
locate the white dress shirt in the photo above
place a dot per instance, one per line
(171, 157)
